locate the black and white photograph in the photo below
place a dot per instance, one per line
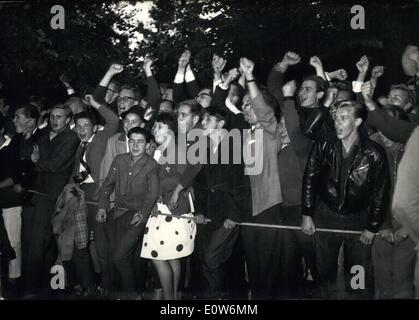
(219, 152)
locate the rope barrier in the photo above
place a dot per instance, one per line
(247, 224)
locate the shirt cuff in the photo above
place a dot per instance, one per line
(356, 86)
(215, 83)
(70, 91)
(232, 107)
(327, 76)
(179, 78)
(189, 76)
(223, 86)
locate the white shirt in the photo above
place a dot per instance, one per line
(6, 143)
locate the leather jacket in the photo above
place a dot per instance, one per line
(367, 184)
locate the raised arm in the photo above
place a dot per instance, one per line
(276, 76)
(179, 93)
(153, 89)
(265, 114)
(299, 142)
(100, 91)
(394, 129)
(317, 64)
(111, 119)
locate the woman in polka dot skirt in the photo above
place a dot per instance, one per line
(167, 238)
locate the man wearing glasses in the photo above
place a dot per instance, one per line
(128, 97)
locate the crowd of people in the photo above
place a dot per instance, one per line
(116, 187)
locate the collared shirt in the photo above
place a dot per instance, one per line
(6, 143)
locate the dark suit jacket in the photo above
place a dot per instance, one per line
(56, 162)
(236, 120)
(228, 189)
(185, 90)
(95, 150)
(20, 167)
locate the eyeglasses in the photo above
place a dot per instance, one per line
(201, 94)
(125, 99)
(182, 115)
(112, 90)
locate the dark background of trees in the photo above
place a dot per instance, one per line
(33, 55)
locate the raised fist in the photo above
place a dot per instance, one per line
(291, 58)
(289, 88)
(116, 68)
(184, 59)
(316, 62)
(330, 96)
(91, 101)
(367, 91)
(218, 63)
(232, 75)
(377, 72)
(246, 66)
(340, 74)
(363, 64)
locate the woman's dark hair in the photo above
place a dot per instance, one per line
(168, 119)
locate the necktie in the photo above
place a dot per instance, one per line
(82, 153)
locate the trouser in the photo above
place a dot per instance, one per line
(296, 246)
(98, 252)
(79, 268)
(217, 251)
(10, 199)
(357, 256)
(262, 249)
(42, 249)
(13, 224)
(394, 267)
(127, 238)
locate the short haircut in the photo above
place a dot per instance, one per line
(67, 111)
(116, 83)
(221, 115)
(29, 111)
(87, 114)
(359, 110)
(138, 130)
(139, 111)
(320, 83)
(136, 91)
(76, 100)
(196, 108)
(167, 100)
(405, 88)
(168, 119)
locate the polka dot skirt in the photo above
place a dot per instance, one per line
(168, 237)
